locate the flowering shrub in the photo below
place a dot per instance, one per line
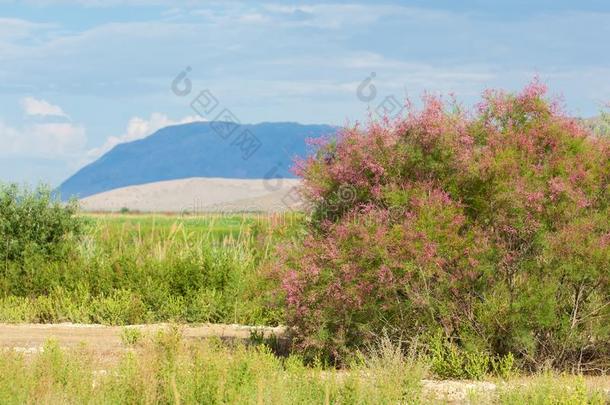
(492, 226)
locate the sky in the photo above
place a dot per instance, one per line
(80, 76)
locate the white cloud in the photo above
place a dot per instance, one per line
(138, 128)
(97, 3)
(35, 139)
(45, 140)
(15, 28)
(33, 106)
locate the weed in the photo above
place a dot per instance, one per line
(131, 336)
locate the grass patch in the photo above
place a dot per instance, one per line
(152, 268)
(166, 370)
(552, 389)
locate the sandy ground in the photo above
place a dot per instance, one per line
(106, 342)
(200, 195)
(24, 337)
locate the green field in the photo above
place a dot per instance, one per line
(210, 226)
(151, 268)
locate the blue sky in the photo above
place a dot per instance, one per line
(79, 76)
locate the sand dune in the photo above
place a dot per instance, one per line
(200, 195)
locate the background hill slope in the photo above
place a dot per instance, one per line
(196, 150)
(199, 195)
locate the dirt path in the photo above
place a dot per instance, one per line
(30, 338)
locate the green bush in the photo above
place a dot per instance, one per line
(131, 336)
(34, 223)
(447, 360)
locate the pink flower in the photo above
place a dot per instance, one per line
(557, 187)
(385, 275)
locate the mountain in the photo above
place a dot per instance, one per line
(201, 149)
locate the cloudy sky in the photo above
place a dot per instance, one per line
(79, 76)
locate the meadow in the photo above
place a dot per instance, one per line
(131, 268)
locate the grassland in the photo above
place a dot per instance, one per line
(212, 227)
(152, 268)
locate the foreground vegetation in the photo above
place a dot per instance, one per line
(129, 269)
(162, 369)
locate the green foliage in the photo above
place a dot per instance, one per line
(447, 360)
(503, 366)
(130, 336)
(32, 222)
(128, 269)
(600, 126)
(552, 389)
(167, 370)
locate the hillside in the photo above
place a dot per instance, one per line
(196, 150)
(199, 195)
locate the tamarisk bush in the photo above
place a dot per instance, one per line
(490, 225)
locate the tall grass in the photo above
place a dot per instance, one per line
(138, 269)
(553, 389)
(166, 370)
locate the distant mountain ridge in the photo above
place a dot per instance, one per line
(200, 149)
